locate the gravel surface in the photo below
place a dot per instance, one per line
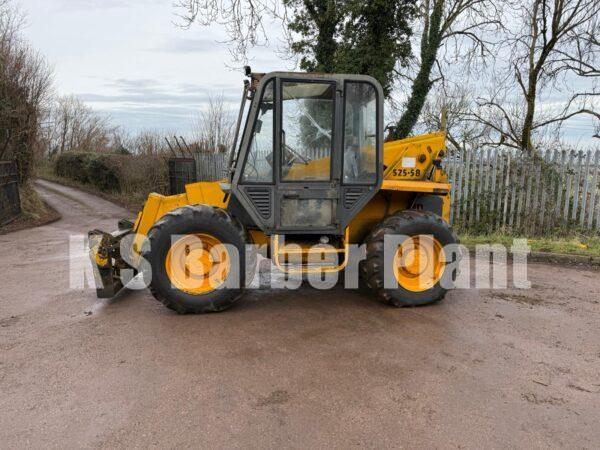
(307, 368)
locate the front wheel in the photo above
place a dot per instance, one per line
(418, 258)
(197, 255)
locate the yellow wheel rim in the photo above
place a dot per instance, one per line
(197, 263)
(419, 263)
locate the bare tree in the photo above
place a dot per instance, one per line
(450, 108)
(145, 142)
(346, 36)
(25, 82)
(554, 49)
(215, 126)
(452, 32)
(244, 21)
(73, 126)
(248, 24)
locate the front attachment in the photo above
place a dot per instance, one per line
(105, 254)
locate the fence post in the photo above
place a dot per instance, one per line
(594, 190)
(500, 187)
(494, 169)
(513, 197)
(546, 183)
(561, 174)
(554, 185)
(453, 167)
(486, 174)
(577, 181)
(586, 185)
(459, 187)
(506, 190)
(466, 196)
(569, 177)
(524, 166)
(536, 195)
(474, 185)
(527, 216)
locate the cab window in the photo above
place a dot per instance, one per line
(360, 133)
(259, 162)
(306, 130)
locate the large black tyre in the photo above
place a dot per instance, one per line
(196, 219)
(408, 223)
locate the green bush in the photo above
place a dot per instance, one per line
(129, 174)
(102, 174)
(72, 166)
(88, 168)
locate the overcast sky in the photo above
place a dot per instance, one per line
(129, 60)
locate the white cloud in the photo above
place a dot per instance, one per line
(129, 59)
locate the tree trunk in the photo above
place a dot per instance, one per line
(421, 86)
(528, 123)
(326, 45)
(418, 95)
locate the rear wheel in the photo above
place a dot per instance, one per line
(418, 262)
(197, 255)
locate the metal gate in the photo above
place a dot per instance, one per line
(10, 202)
(181, 172)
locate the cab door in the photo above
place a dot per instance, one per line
(307, 155)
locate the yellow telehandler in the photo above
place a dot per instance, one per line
(309, 175)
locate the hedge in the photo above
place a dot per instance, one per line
(127, 174)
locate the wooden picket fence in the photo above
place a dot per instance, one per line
(504, 190)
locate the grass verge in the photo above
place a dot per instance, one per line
(35, 212)
(571, 245)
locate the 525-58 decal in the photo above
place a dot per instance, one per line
(406, 172)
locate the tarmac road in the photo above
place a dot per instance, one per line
(303, 368)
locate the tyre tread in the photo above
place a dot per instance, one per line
(196, 214)
(371, 271)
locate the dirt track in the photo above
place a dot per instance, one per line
(295, 369)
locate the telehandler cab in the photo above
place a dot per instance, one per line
(309, 167)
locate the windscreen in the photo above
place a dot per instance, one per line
(307, 130)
